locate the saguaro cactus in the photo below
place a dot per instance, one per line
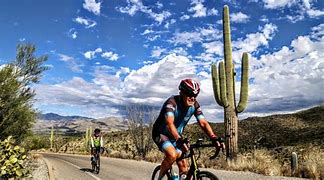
(86, 143)
(224, 89)
(294, 163)
(52, 137)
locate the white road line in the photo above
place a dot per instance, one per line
(95, 177)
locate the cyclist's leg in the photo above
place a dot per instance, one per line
(171, 154)
(183, 166)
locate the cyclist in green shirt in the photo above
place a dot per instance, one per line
(96, 143)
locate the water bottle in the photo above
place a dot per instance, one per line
(174, 175)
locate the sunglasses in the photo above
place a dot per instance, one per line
(190, 95)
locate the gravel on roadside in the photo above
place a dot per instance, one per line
(38, 168)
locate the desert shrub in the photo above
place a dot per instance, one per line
(12, 160)
(260, 161)
(312, 163)
(35, 142)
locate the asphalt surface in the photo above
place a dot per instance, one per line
(72, 167)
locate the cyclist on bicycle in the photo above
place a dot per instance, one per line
(174, 116)
(96, 143)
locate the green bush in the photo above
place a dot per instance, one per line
(12, 160)
(35, 142)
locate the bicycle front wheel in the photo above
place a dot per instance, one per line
(206, 175)
(156, 173)
(98, 165)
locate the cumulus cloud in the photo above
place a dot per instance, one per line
(84, 21)
(91, 54)
(92, 6)
(198, 8)
(157, 51)
(110, 56)
(304, 7)
(273, 4)
(134, 6)
(184, 17)
(239, 17)
(147, 85)
(197, 36)
(290, 78)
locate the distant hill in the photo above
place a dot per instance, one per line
(56, 117)
(301, 128)
(75, 125)
(295, 129)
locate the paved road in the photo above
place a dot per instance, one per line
(68, 167)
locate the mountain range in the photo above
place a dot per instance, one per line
(74, 125)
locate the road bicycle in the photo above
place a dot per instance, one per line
(194, 172)
(95, 160)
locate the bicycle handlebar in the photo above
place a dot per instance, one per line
(199, 144)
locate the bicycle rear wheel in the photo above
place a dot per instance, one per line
(206, 175)
(156, 172)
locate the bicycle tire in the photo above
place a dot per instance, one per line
(156, 173)
(98, 165)
(206, 175)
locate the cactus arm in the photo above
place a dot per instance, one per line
(228, 56)
(216, 88)
(244, 84)
(222, 78)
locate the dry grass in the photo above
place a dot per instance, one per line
(260, 161)
(312, 164)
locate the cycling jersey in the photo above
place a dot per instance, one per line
(96, 141)
(174, 107)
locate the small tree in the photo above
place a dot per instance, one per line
(16, 94)
(140, 121)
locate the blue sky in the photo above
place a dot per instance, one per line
(105, 55)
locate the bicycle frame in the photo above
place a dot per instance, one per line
(194, 169)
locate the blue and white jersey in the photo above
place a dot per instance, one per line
(173, 107)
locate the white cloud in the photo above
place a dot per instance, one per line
(253, 41)
(239, 17)
(73, 65)
(134, 6)
(304, 8)
(315, 13)
(73, 33)
(147, 85)
(212, 12)
(167, 24)
(198, 8)
(184, 17)
(290, 77)
(157, 51)
(91, 54)
(318, 31)
(147, 31)
(92, 6)
(198, 36)
(186, 38)
(273, 4)
(110, 56)
(87, 22)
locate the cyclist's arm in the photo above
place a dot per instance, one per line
(203, 123)
(171, 127)
(92, 143)
(101, 141)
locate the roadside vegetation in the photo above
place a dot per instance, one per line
(17, 114)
